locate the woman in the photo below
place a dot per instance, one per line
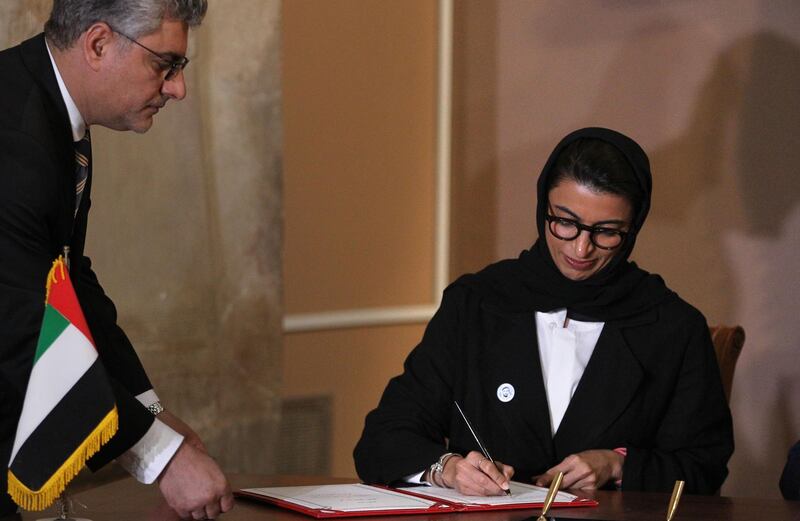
(570, 358)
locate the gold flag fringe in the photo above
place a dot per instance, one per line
(58, 266)
(45, 496)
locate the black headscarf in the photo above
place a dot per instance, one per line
(533, 282)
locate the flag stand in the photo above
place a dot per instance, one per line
(63, 505)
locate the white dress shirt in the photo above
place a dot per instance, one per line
(564, 352)
(148, 457)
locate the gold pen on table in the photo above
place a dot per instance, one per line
(675, 499)
(551, 495)
(478, 441)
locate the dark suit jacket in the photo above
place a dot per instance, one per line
(37, 198)
(652, 385)
(790, 478)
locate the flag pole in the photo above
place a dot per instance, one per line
(63, 506)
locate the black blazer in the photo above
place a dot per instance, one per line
(37, 198)
(790, 478)
(652, 386)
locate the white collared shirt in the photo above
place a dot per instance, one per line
(563, 354)
(146, 459)
(75, 118)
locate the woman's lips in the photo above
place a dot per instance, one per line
(579, 265)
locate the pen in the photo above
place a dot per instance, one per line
(551, 495)
(478, 440)
(674, 500)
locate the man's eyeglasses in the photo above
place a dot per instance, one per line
(172, 66)
(568, 230)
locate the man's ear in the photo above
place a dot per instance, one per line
(97, 41)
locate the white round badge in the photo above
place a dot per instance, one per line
(505, 393)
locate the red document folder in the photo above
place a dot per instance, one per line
(356, 500)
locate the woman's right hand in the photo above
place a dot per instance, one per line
(476, 476)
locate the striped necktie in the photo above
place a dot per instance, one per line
(83, 157)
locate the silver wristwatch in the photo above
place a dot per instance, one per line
(156, 408)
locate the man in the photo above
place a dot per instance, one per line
(112, 63)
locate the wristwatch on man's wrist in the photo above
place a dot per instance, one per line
(156, 408)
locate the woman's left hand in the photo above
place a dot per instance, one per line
(590, 469)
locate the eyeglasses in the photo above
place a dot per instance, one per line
(171, 66)
(568, 230)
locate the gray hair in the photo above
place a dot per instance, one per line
(135, 18)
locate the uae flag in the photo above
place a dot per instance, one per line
(69, 410)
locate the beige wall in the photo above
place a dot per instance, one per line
(352, 366)
(475, 203)
(359, 115)
(21, 19)
(359, 83)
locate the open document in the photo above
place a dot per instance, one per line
(521, 494)
(350, 500)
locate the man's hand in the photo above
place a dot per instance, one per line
(182, 428)
(194, 486)
(590, 469)
(476, 475)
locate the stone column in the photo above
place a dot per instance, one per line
(21, 19)
(243, 142)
